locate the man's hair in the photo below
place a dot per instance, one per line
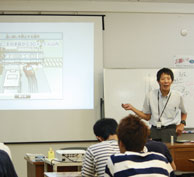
(165, 71)
(105, 127)
(133, 133)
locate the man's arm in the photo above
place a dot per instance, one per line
(180, 127)
(136, 111)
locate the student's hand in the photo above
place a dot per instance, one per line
(127, 106)
(179, 129)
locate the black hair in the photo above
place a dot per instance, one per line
(166, 71)
(105, 127)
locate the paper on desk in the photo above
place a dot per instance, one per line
(35, 157)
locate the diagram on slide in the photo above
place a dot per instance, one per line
(31, 65)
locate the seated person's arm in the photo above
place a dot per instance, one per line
(173, 165)
(88, 168)
(169, 157)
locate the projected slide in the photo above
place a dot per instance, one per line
(28, 67)
(47, 67)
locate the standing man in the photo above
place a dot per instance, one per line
(161, 108)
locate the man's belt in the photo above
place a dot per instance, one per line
(168, 126)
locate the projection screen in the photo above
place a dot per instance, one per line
(50, 77)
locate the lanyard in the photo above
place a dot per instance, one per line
(160, 115)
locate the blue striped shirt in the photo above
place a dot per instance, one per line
(149, 164)
(96, 157)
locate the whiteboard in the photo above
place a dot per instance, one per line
(131, 86)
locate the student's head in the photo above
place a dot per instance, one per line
(132, 134)
(103, 128)
(166, 71)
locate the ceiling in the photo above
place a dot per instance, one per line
(165, 1)
(159, 1)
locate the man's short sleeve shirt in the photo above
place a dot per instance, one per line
(154, 104)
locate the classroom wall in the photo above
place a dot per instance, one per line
(122, 48)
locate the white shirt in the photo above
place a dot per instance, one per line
(171, 114)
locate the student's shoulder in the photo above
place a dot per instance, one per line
(97, 145)
(103, 144)
(117, 156)
(5, 148)
(151, 144)
(3, 155)
(157, 155)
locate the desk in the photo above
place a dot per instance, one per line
(62, 174)
(37, 169)
(181, 153)
(34, 169)
(56, 166)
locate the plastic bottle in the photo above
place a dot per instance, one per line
(51, 154)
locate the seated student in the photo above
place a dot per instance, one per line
(96, 155)
(6, 166)
(160, 147)
(132, 136)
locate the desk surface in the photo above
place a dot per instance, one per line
(59, 163)
(67, 166)
(180, 145)
(181, 153)
(33, 161)
(62, 174)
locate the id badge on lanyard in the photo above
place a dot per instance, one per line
(159, 123)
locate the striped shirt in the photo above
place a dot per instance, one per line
(149, 164)
(96, 157)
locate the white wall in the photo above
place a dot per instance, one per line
(137, 35)
(146, 40)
